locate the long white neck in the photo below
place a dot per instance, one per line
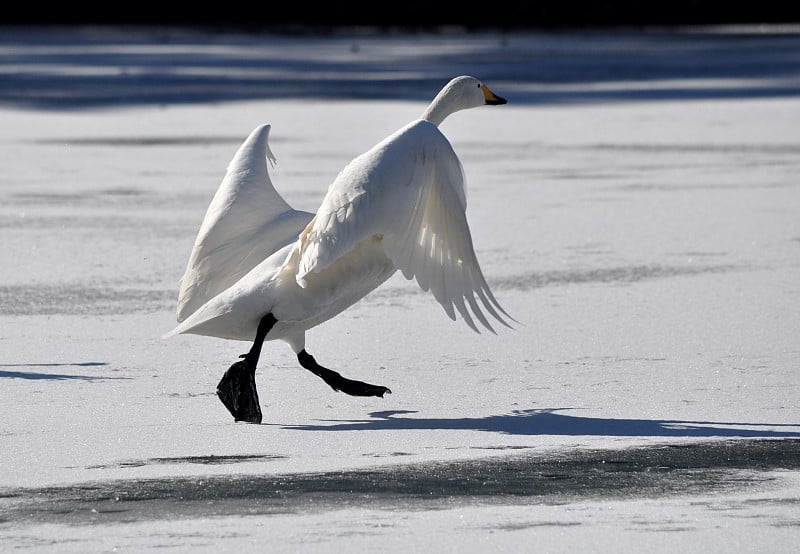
(437, 111)
(450, 99)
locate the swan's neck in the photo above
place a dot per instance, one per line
(436, 112)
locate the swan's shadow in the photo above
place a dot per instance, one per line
(551, 422)
(35, 375)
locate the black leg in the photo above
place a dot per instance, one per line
(237, 388)
(336, 381)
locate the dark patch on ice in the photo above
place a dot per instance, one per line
(532, 525)
(607, 275)
(189, 394)
(553, 478)
(122, 191)
(202, 460)
(515, 150)
(550, 422)
(780, 524)
(693, 148)
(659, 528)
(758, 501)
(127, 67)
(76, 364)
(622, 275)
(116, 196)
(55, 376)
(693, 254)
(683, 187)
(503, 447)
(49, 197)
(80, 299)
(35, 376)
(143, 141)
(139, 223)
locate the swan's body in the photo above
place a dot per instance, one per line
(262, 269)
(271, 288)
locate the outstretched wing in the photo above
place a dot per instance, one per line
(409, 191)
(246, 221)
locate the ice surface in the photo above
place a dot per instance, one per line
(648, 241)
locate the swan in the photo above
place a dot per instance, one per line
(261, 270)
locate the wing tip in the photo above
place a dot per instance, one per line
(261, 134)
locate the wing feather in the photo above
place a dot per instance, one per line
(246, 221)
(410, 191)
(443, 259)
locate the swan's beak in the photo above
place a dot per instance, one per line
(491, 98)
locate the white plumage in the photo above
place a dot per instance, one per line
(400, 205)
(245, 223)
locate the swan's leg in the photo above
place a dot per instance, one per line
(336, 381)
(237, 388)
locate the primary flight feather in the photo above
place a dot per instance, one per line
(260, 270)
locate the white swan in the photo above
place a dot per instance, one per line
(260, 270)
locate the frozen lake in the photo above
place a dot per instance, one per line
(635, 206)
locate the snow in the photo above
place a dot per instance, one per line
(641, 226)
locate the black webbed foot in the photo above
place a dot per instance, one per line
(237, 388)
(337, 382)
(237, 391)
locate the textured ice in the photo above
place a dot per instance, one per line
(635, 206)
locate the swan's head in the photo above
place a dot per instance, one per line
(460, 94)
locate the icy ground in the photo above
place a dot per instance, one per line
(636, 206)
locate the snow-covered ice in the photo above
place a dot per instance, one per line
(635, 206)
